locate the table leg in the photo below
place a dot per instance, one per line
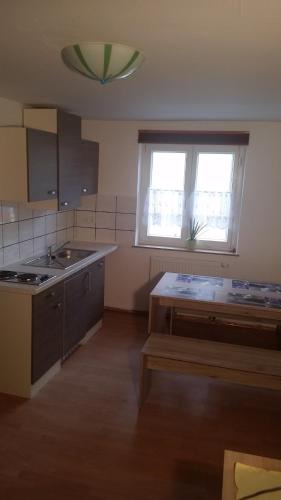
(145, 380)
(278, 331)
(153, 309)
(172, 314)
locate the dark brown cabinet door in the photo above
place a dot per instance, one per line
(69, 159)
(42, 165)
(47, 328)
(89, 167)
(76, 294)
(84, 296)
(96, 298)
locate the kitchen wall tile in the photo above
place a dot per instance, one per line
(85, 219)
(10, 233)
(26, 249)
(126, 238)
(17, 237)
(51, 223)
(70, 234)
(25, 212)
(40, 246)
(126, 221)
(61, 220)
(88, 202)
(9, 212)
(25, 230)
(126, 204)
(106, 203)
(39, 213)
(105, 220)
(105, 235)
(84, 234)
(39, 226)
(11, 254)
(70, 218)
(51, 239)
(61, 237)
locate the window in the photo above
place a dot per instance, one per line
(185, 182)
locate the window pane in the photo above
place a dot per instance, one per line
(167, 171)
(166, 194)
(212, 196)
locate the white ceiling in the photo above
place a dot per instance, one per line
(205, 59)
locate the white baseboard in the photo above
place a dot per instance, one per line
(35, 388)
(91, 332)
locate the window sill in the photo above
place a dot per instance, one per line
(186, 250)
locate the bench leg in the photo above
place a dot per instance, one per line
(145, 381)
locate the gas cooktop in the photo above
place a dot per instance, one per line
(24, 278)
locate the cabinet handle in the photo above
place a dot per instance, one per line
(51, 294)
(84, 190)
(64, 204)
(58, 305)
(52, 192)
(101, 264)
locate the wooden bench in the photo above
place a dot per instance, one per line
(233, 363)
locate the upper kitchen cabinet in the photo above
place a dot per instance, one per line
(89, 167)
(28, 165)
(68, 130)
(69, 159)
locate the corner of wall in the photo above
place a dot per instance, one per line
(11, 113)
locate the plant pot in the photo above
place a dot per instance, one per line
(191, 244)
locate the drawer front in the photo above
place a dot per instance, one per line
(51, 295)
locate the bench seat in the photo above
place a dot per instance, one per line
(233, 363)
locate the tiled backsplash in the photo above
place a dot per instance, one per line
(106, 218)
(25, 232)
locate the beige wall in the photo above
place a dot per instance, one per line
(260, 230)
(10, 112)
(260, 233)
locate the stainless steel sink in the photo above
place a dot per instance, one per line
(61, 259)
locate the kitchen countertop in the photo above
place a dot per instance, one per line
(102, 249)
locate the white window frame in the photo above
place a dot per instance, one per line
(192, 152)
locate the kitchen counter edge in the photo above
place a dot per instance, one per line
(101, 250)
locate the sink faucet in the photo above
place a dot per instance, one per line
(49, 254)
(54, 248)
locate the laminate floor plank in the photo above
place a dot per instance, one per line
(83, 438)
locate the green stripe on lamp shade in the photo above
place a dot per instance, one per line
(128, 65)
(85, 58)
(106, 60)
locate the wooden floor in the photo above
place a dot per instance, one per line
(82, 437)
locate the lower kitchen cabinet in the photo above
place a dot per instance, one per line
(93, 306)
(63, 314)
(84, 298)
(47, 329)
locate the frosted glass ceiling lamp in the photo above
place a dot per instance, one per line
(103, 62)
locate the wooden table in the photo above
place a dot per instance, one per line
(248, 301)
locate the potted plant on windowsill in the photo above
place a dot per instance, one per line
(195, 228)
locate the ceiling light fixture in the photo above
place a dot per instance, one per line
(103, 62)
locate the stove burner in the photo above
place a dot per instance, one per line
(28, 277)
(24, 278)
(6, 275)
